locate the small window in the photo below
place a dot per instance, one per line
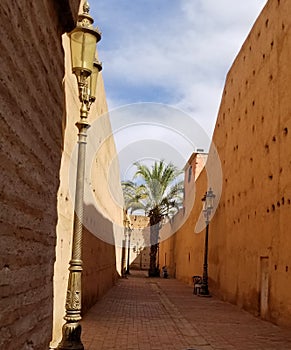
(189, 173)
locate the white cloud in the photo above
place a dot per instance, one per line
(182, 49)
(197, 45)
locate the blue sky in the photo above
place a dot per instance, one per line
(173, 52)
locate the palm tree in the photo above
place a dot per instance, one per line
(159, 194)
(133, 196)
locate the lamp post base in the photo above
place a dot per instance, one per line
(71, 337)
(155, 272)
(204, 291)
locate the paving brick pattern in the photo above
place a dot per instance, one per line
(162, 314)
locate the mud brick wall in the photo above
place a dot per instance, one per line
(249, 239)
(31, 142)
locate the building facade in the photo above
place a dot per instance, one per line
(140, 250)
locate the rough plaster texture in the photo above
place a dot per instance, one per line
(30, 149)
(249, 238)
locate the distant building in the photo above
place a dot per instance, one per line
(140, 250)
(192, 170)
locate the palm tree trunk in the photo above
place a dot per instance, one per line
(154, 270)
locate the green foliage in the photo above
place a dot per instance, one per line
(155, 190)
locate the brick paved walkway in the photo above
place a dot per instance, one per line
(150, 314)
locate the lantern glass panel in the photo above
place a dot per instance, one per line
(83, 47)
(93, 81)
(209, 199)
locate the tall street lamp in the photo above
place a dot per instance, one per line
(129, 229)
(124, 244)
(83, 48)
(208, 207)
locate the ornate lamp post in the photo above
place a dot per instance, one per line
(83, 48)
(208, 206)
(124, 245)
(128, 229)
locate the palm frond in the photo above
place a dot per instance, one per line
(153, 189)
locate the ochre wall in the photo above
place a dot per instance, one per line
(99, 272)
(182, 252)
(250, 228)
(253, 142)
(31, 145)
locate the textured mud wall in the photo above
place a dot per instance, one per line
(36, 136)
(251, 248)
(30, 153)
(249, 239)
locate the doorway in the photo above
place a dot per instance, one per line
(264, 287)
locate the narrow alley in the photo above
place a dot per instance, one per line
(154, 313)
